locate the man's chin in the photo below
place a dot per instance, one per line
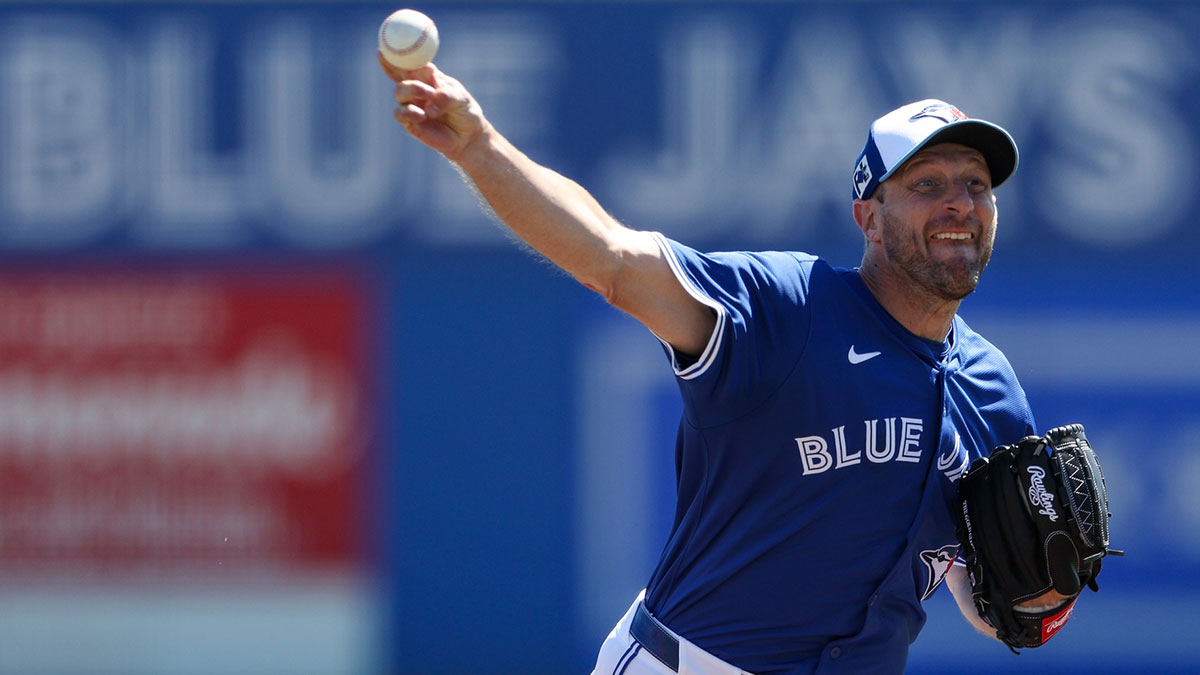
(959, 293)
(955, 286)
(959, 278)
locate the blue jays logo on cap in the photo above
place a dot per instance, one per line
(942, 111)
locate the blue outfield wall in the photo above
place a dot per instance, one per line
(525, 429)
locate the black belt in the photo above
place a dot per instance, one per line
(654, 638)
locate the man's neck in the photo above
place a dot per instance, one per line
(921, 312)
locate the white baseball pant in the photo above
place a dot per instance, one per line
(623, 654)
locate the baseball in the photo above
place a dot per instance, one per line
(408, 39)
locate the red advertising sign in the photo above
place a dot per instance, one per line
(172, 422)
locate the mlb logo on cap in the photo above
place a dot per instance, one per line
(899, 134)
(862, 175)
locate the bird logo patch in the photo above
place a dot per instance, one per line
(942, 111)
(937, 564)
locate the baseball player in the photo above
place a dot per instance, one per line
(828, 412)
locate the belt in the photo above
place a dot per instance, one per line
(654, 638)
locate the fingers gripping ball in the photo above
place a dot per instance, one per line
(408, 39)
(1033, 519)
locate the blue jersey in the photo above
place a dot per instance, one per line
(817, 464)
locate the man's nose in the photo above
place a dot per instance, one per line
(958, 199)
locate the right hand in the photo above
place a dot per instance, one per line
(436, 109)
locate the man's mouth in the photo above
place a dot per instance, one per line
(954, 235)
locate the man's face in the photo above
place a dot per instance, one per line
(939, 220)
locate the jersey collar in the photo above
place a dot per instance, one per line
(935, 352)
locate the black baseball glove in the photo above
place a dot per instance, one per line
(1033, 518)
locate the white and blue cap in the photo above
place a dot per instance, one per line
(897, 135)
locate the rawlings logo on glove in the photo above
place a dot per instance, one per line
(1033, 519)
(1038, 496)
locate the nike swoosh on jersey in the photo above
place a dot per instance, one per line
(856, 358)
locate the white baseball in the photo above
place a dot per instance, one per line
(408, 39)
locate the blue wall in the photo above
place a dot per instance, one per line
(525, 428)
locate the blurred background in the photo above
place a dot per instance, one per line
(276, 397)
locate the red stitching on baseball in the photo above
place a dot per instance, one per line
(415, 46)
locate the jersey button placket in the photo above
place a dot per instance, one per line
(835, 653)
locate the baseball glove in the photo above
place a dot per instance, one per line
(1033, 518)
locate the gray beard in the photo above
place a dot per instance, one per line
(948, 281)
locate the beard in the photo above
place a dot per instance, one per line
(952, 278)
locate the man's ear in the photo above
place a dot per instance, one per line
(867, 215)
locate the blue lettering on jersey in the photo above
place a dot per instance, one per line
(954, 463)
(815, 450)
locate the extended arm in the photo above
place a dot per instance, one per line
(551, 213)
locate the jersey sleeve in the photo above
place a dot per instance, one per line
(763, 317)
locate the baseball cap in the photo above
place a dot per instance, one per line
(894, 138)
